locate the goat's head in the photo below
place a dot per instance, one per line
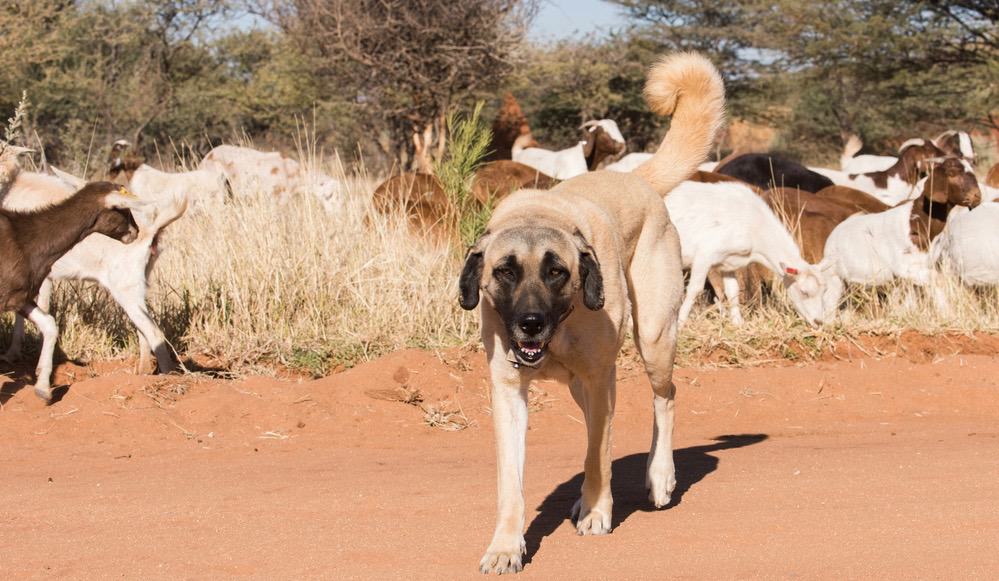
(956, 144)
(118, 149)
(121, 168)
(952, 182)
(806, 290)
(602, 140)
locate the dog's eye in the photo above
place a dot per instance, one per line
(503, 272)
(557, 272)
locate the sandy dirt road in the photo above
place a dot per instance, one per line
(850, 469)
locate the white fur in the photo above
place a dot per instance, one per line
(859, 164)
(609, 125)
(562, 164)
(969, 245)
(727, 226)
(270, 173)
(868, 164)
(874, 249)
(200, 186)
(120, 268)
(629, 162)
(896, 192)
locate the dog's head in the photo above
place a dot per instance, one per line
(532, 276)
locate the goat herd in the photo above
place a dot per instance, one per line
(54, 225)
(875, 219)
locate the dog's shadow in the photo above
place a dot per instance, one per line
(628, 486)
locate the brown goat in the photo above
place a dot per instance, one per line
(510, 123)
(856, 199)
(599, 146)
(950, 184)
(31, 242)
(498, 179)
(992, 178)
(423, 199)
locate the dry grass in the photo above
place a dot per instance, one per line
(261, 285)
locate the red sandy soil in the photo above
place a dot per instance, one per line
(847, 469)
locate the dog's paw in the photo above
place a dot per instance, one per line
(502, 561)
(591, 521)
(661, 487)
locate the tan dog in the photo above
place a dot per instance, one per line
(560, 272)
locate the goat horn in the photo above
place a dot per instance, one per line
(586, 124)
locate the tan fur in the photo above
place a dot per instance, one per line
(992, 179)
(620, 220)
(696, 118)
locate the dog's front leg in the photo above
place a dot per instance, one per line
(593, 510)
(509, 395)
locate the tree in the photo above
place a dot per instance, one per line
(818, 70)
(410, 61)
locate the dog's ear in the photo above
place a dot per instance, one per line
(590, 275)
(471, 278)
(471, 275)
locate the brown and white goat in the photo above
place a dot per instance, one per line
(30, 243)
(873, 249)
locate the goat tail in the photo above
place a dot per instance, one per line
(687, 86)
(851, 148)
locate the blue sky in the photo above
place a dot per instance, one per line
(564, 18)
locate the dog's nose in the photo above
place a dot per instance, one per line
(531, 324)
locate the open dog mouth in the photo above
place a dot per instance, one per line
(529, 351)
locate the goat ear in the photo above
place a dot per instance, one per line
(590, 275)
(123, 199)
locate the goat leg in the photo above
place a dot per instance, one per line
(17, 334)
(50, 333)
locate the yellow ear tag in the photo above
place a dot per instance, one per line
(123, 191)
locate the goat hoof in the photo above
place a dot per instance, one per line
(44, 392)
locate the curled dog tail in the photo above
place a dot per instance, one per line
(687, 86)
(851, 148)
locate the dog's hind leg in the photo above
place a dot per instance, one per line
(656, 284)
(594, 508)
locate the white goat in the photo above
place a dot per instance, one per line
(629, 162)
(122, 269)
(851, 163)
(200, 186)
(561, 165)
(873, 249)
(273, 174)
(969, 245)
(632, 160)
(727, 226)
